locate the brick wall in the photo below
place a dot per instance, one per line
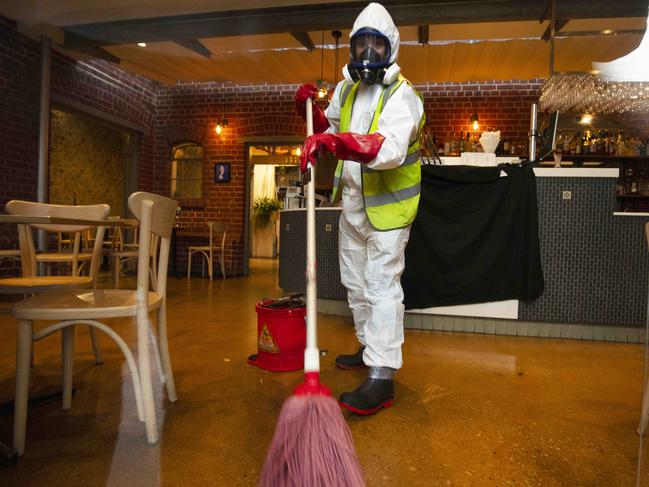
(19, 68)
(105, 87)
(191, 111)
(502, 105)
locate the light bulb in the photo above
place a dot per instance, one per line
(298, 151)
(586, 119)
(141, 44)
(476, 126)
(218, 128)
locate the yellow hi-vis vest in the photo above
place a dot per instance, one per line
(391, 196)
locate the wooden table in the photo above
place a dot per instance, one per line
(57, 220)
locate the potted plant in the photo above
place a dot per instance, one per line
(264, 210)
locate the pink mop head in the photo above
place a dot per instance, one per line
(313, 445)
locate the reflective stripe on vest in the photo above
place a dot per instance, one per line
(391, 196)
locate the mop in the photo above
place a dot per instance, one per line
(313, 445)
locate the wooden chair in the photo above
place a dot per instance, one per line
(128, 250)
(71, 249)
(10, 254)
(218, 233)
(71, 307)
(30, 282)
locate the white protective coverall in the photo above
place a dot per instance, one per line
(371, 261)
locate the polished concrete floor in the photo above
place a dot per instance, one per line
(471, 409)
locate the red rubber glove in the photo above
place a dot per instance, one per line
(320, 122)
(347, 146)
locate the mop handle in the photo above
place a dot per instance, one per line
(311, 354)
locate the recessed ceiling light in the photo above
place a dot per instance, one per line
(607, 31)
(141, 44)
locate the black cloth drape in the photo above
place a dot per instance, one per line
(475, 238)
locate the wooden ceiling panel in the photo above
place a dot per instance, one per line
(609, 23)
(577, 53)
(486, 30)
(479, 61)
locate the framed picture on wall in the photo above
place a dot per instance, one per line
(222, 172)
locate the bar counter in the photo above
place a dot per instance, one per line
(594, 259)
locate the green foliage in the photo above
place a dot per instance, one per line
(263, 209)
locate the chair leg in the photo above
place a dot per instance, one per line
(222, 261)
(116, 266)
(96, 346)
(163, 346)
(67, 345)
(210, 264)
(146, 385)
(23, 353)
(644, 417)
(189, 264)
(153, 275)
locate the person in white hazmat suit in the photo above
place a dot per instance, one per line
(372, 125)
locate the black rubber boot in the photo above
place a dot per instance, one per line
(369, 397)
(351, 362)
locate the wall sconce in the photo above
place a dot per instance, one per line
(475, 125)
(220, 125)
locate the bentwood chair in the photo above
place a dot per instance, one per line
(126, 251)
(30, 282)
(216, 248)
(71, 307)
(70, 251)
(10, 254)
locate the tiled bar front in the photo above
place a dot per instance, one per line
(595, 265)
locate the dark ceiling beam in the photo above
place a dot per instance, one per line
(304, 39)
(547, 11)
(422, 34)
(87, 47)
(196, 46)
(558, 25)
(304, 18)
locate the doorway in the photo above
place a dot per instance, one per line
(273, 168)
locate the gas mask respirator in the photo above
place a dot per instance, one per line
(369, 56)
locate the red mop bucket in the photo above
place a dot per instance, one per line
(281, 334)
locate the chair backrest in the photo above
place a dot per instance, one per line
(217, 230)
(85, 212)
(156, 215)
